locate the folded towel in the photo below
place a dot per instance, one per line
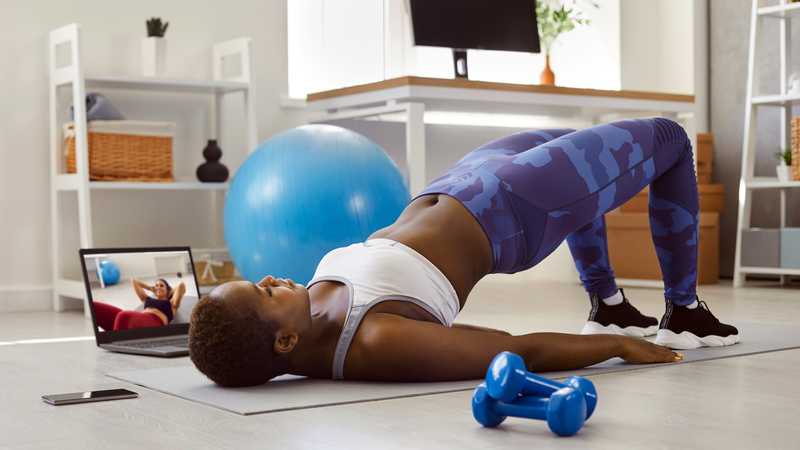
(98, 107)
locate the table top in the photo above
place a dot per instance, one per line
(487, 85)
(490, 97)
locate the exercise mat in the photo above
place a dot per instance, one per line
(290, 392)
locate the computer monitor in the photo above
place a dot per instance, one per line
(508, 25)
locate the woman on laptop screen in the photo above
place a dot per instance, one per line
(158, 309)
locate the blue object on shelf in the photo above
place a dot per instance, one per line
(98, 107)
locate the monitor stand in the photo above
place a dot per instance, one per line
(460, 63)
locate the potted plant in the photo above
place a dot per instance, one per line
(154, 48)
(784, 165)
(555, 18)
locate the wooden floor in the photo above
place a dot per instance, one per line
(745, 402)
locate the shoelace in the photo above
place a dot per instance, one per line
(701, 303)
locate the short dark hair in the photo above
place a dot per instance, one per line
(232, 348)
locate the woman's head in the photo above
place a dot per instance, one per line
(162, 289)
(243, 334)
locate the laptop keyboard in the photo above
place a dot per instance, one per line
(182, 342)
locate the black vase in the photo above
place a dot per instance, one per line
(212, 171)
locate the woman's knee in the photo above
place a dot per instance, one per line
(122, 320)
(668, 131)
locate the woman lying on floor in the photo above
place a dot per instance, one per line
(159, 309)
(384, 309)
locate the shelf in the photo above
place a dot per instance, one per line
(166, 85)
(771, 183)
(70, 182)
(70, 288)
(779, 10)
(777, 100)
(174, 186)
(770, 270)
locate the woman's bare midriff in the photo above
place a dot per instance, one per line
(441, 229)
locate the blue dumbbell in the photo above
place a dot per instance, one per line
(564, 411)
(508, 377)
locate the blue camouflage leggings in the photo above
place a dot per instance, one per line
(532, 190)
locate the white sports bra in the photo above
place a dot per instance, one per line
(379, 270)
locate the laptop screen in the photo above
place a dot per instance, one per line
(141, 292)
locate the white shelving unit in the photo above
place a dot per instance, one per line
(67, 72)
(782, 13)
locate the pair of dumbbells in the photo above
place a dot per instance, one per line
(510, 390)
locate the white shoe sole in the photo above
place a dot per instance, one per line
(593, 327)
(687, 341)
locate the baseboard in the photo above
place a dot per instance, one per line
(26, 298)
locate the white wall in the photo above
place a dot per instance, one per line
(595, 46)
(143, 265)
(334, 43)
(111, 34)
(330, 48)
(657, 41)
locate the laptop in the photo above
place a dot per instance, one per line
(141, 299)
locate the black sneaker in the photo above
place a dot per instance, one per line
(685, 328)
(622, 319)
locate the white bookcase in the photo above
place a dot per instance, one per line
(779, 14)
(67, 72)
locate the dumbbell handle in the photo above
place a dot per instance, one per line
(538, 385)
(529, 407)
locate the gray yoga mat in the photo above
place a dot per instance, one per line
(290, 392)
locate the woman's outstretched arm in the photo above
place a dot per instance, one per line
(464, 326)
(141, 289)
(390, 347)
(177, 296)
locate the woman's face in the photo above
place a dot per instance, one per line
(161, 290)
(276, 299)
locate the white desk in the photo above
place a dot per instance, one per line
(415, 95)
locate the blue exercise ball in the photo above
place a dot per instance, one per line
(304, 193)
(109, 272)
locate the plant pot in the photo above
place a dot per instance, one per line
(547, 77)
(154, 56)
(784, 173)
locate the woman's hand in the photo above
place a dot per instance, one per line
(140, 289)
(639, 351)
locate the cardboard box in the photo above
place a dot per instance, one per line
(712, 199)
(633, 255)
(705, 157)
(215, 274)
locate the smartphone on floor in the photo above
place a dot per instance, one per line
(88, 396)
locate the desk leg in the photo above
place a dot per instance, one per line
(415, 147)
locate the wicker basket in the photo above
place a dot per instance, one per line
(796, 148)
(125, 150)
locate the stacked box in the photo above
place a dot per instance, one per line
(712, 199)
(790, 248)
(705, 157)
(761, 247)
(632, 254)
